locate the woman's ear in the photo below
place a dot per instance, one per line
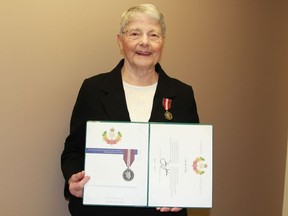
(120, 42)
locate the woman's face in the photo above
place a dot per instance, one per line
(142, 42)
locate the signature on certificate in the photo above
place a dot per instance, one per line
(164, 165)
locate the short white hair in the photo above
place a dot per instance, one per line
(148, 9)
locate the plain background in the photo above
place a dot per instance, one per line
(233, 53)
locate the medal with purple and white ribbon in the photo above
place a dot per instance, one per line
(166, 102)
(128, 156)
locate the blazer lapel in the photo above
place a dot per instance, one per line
(114, 101)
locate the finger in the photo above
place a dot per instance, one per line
(78, 185)
(84, 181)
(76, 177)
(76, 188)
(175, 209)
(164, 209)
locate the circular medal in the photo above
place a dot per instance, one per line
(128, 174)
(168, 115)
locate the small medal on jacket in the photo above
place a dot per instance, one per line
(168, 115)
(166, 102)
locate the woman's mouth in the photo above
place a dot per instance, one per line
(143, 53)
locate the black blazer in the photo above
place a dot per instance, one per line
(102, 97)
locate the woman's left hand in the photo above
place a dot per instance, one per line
(165, 209)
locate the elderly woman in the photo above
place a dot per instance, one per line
(137, 89)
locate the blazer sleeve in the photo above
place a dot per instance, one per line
(72, 157)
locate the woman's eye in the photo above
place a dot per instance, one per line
(154, 36)
(134, 33)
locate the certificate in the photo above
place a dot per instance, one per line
(148, 164)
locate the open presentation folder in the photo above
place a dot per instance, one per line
(148, 164)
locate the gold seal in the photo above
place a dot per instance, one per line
(168, 115)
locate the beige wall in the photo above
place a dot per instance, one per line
(233, 53)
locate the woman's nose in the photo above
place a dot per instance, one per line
(144, 40)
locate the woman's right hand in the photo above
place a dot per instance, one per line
(77, 182)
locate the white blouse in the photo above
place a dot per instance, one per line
(139, 101)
